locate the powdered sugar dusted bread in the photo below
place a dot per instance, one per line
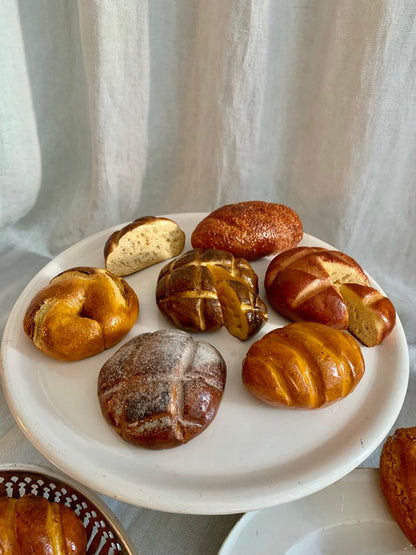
(249, 229)
(162, 389)
(142, 243)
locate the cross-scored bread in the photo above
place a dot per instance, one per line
(203, 290)
(303, 365)
(162, 389)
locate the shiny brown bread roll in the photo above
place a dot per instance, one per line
(162, 389)
(249, 229)
(81, 312)
(303, 365)
(303, 284)
(32, 525)
(142, 243)
(203, 290)
(398, 478)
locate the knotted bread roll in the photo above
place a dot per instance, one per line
(80, 313)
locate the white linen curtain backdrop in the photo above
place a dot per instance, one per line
(114, 109)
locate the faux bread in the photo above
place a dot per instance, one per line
(81, 312)
(203, 290)
(34, 525)
(371, 315)
(303, 365)
(142, 243)
(398, 479)
(162, 389)
(249, 230)
(303, 284)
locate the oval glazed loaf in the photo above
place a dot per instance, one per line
(162, 389)
(34, 525)
(205, 289)
(303, 365)
(249, 229)
(81, 312)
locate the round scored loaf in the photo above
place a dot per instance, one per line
(303, 365)
(302, 284)
(34, 525)
(162, 389)
(142, 243)
(205, 289)
(328, 286)
(250, 229)
(81, 312)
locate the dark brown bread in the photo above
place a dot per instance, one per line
(303, 365)
(32, 525)
(249, 229)
(303, 284)
(80, 313)
(162, 389)
(205, 289)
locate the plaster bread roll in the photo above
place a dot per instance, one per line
(398, 479)
(303, 283)
(80, 313)
(249, 230)
(162, 389)
(34, 525)
(371, 315)
(303, 365)
(142, 243)
(203, 290)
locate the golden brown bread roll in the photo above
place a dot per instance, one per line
(203, 290)
(33, 525)
(162, 389)
(143, 242)
(303, 284)
(398, 478)
(80, 313)
(249, 229)
(303, 365)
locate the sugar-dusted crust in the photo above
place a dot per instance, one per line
(250, 229)
(162, 389)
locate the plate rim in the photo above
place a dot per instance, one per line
(196, 508)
